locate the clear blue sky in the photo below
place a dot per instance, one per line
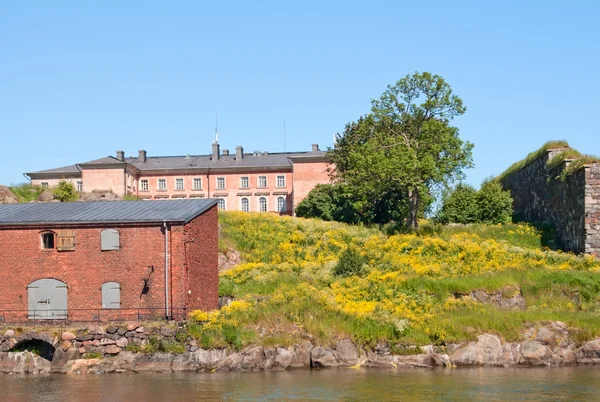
(81, 79)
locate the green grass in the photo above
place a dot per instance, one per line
(515, 167)
(513, 234)
(26, 192)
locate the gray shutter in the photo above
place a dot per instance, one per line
(109, 240)
(47, 299)
(111, 295)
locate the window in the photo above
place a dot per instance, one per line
(65, 240)
(262, 202)
(80, 186)
(244, 182)
(48, 240)
(45, 184)
(280, 181)
(262, 181)
(197, 183)
(222, 204)
(280, 204)
(111, 295)
(109, 240)
(162, 184)
(178, 184)
(220, 183)
(245, 205)
(144, 185)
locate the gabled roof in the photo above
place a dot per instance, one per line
(64, 169)
(108, 160)
(113, 212)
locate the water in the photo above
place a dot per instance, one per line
(555, 384)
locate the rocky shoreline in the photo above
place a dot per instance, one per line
(96, 350)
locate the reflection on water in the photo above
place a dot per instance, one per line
(556, 384)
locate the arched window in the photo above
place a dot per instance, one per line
(262, 202)
(111, 295)
(48, 240)
(109, 240)
(222, 204)
(280, 204)
(245, 205)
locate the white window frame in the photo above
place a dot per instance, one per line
(79, 186)
(158, 186)
(218, 187)
(224, 208)
(177, 181)
(197, 180)
(260, 205)
(44, 184)
(282, 208)
(247, 209)
(260, 178)
(247, 179)
(282, 184)
(144, 185)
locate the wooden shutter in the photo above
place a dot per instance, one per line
(109, 240)
(65, 240)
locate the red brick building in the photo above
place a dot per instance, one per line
(88, 261)
(257, 181)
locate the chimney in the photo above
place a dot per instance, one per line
(215, 151)
(225, 152)
(239, 153)
(121, 156)
(315, 147)
(142, 156)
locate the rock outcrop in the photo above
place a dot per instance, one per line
(7, 196)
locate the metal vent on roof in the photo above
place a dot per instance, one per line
(158, 162)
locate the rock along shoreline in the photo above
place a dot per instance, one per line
(95, 350)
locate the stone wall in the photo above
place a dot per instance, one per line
(571, 206)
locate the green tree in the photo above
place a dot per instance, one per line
(65, 191)
(460, 206)
(495, 203)
(403, 146)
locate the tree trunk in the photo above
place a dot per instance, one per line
(413, 209)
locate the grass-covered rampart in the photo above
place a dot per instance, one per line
(411, 289)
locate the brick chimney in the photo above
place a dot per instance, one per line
(225, 152)
(142, 156)
(315, 147)
(239, 153)
(216, 151)
(121, 156)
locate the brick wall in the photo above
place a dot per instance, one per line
(22, 261)
(201, 260)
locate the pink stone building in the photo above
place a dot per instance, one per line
(259, 181)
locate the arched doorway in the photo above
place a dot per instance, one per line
(47, 299)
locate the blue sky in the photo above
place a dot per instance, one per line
(81, 79)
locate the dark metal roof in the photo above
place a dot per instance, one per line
(64, 169)
(181, 211)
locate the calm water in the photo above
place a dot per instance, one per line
(556, 384)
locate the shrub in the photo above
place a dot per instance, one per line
(65, 191)
(349, 264)
(460, 205)
(495, 204)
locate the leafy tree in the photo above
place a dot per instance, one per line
(460, 205)
(403, 147)
(495, 204)
(350, 263)
(65, 191)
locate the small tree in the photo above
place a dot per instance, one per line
(495, 204)
(460, 205)
(349, 264)
(65, 191)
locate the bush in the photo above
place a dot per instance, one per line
(65, 192)
(349, 264)
(460, 206)
(495, 204)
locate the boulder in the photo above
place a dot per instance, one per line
(322, 358)
(346, 352)
(7, 196)
(46, 196)
(484, 352)
(111, 330)
(62, 357)
(545, 336)
(122, 342)
(132, 326)
(535, 353)
(112, 350)
(157, 363)
(208, 359)
(252, 359)
(589, 353)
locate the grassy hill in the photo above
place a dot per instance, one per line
(413, 289)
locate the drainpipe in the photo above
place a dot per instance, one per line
(27, 177)
(166, 228)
